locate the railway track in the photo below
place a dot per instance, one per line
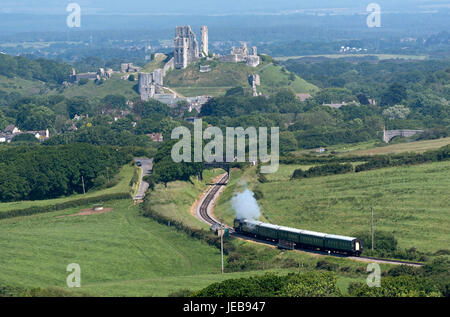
(205, 206)
(204, 213)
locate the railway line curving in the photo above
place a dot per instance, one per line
(204, 213)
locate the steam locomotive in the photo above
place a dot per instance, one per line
(299, 238)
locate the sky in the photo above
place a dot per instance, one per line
(215, 7)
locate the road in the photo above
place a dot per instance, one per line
(147, 167)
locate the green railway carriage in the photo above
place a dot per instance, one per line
(268, 230)
(338, 242)
(312, 239)
(289, 234)
(301, 238)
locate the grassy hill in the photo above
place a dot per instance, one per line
(22, 86)
(157, 62)
(112, 86)
(408, 201)
(223, 76)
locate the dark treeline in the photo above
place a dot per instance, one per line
(45, 70)
(43, 172)
(322, 170)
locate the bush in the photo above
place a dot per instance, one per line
(327, 266)
(398, 286)
(258, 194)
(262, 178)
(323, 170)
(83, 81)
(181, 293)
(310, 284)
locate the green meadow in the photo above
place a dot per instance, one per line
(411, 202)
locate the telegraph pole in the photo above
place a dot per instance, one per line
(221, 244)
(371, 225)
(82, 180)
(222, 231)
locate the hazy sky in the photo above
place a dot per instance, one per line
(214, 7)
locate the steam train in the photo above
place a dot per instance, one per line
(299, 238)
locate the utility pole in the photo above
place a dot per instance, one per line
(371, 226)
(107, 173)
(222, 231)
(221, 245)
(82, 180)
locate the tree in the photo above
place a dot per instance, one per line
(83, 81)
(114, 102)
(32, 117)
(25, 137)
(78, 105)
(362, 98)
(395, 94)
(236, 91)
(397, 112)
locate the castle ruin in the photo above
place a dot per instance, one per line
(242, 54)
(205, 41)
(146, 86)
(186, 48)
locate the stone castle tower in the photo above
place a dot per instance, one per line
(204, 42)
(146, 86)
(186, 47)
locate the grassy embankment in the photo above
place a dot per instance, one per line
(223, 76)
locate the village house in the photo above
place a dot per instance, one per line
(156, 137)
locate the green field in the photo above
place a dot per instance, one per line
(113, 249)
(122, 186)
(417, 147)
(378, 147)
(411, 202)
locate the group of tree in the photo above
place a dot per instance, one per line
(323, 170)
(166, 170)
(43, 172)
(45, 70)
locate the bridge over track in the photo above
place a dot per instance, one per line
(389, 134)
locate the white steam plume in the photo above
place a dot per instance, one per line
(245, 205)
